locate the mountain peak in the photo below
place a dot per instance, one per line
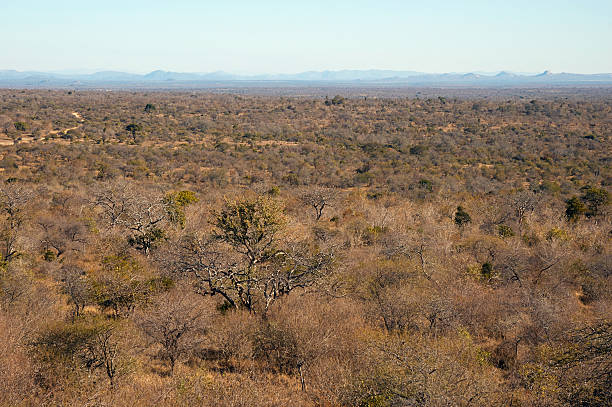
(545, 73)
(503, 78)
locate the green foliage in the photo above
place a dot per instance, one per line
(133, 128)
(262, 268)
(20, 126)
(486, 271)
(483, 357)
(574, 209)
(224, 307)
(250, 225)
(149, 108)
(147, 240)
(291, 179)
(337, 100)
(504, 231)
(589, 203)
(183, 198)
(594, 199)
(531, 239)
(62, 342)
(462, 218)
(49, 255)
(65, 341)
(372, 233)
(426, 184)
(551, 187)
(274, 191)
(377, 400)
(364, 178)
(176, 202)
(557, 234)
(105, 172)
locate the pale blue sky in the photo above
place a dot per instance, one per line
(292, 36)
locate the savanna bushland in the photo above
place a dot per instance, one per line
(190, 248)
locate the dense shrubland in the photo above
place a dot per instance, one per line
(194, 249)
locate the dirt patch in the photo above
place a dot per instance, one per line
(276, 143)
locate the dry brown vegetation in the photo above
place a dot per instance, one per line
(257, 250)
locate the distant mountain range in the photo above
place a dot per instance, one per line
(11, 78)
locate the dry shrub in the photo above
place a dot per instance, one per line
(16, 370)
(230, 336)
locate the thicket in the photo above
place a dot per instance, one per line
(195, 249)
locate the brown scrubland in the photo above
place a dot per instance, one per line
(187, 248)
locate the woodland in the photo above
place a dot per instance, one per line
(187, 248)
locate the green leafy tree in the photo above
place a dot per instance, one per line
(594, 199)
(133, 129)
(574, 209)
(147, 240)
(462, 218)
(337, 100)
(176, 202)
(250, 226)
(244, 260)
(486, 271)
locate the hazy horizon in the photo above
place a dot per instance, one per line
(274, 37)
(87, 71)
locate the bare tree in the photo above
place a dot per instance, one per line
(142, 213)
(104, 350)
(61, 234)
(294, 268)
(174, 322)
(73, 283)
(319, 198)
(86, 344)
(121, 284)
(14, 200)
(583, 365)
(115, 199)
(523, 203)
(243, 260)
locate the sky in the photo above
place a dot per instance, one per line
(290, 36)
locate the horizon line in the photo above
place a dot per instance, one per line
(88, 71)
